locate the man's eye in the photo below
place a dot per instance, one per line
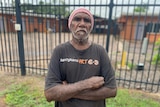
(87, 20)
(77, 19)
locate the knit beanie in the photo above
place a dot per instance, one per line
(80, 10)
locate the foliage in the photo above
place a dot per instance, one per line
(55, 7)
(20, 95)
(130, 65)
(142, 8)
(156, 57)
(125, 98)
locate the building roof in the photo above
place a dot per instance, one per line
(28, 13)
(140, 14)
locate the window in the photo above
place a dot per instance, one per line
(157, 27)
(40, 20)
(30, 19)
(153, 27)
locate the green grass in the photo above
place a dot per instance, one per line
(22, 95)
(125, 98)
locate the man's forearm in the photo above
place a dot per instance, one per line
(97, 94)
(64, 91)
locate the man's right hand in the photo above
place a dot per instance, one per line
(95, 82)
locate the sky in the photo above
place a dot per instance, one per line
(102, 11)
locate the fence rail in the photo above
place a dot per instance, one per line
(129, 30)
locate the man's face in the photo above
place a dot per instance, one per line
(81, 26)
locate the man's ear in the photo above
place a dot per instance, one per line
(71, 26)
(90, 30)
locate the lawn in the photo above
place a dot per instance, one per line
(133, 98)
(27, 91)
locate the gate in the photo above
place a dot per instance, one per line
(29, 31)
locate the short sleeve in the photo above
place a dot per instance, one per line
(107, 70)
(53, 76)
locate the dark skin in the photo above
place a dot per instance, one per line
(89, 89)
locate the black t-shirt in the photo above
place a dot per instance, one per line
(71, 65)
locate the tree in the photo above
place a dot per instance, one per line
(62, 9)
(13, 3)
(26, 7)
(142, 8)
(53, 8)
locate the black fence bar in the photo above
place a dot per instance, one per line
(109, 24)
(20, 38)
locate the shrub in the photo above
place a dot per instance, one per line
(156, 57)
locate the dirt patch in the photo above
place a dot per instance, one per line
(2, 102)
(154, 96)
(3, 86)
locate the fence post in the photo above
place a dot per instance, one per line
(109, 24)
(20, 38)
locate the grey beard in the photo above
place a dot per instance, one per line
(80, 40)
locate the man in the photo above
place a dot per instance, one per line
(80, 73)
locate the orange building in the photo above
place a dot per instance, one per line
(30, 22)
(137, 26)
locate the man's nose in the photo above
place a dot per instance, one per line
(82, 22)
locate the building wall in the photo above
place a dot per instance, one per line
(127, 31)
(129, 25)
(42, 26)
(153, 37)
(7, 22)
(34, 26)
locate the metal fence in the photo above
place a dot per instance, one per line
(128, 29)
